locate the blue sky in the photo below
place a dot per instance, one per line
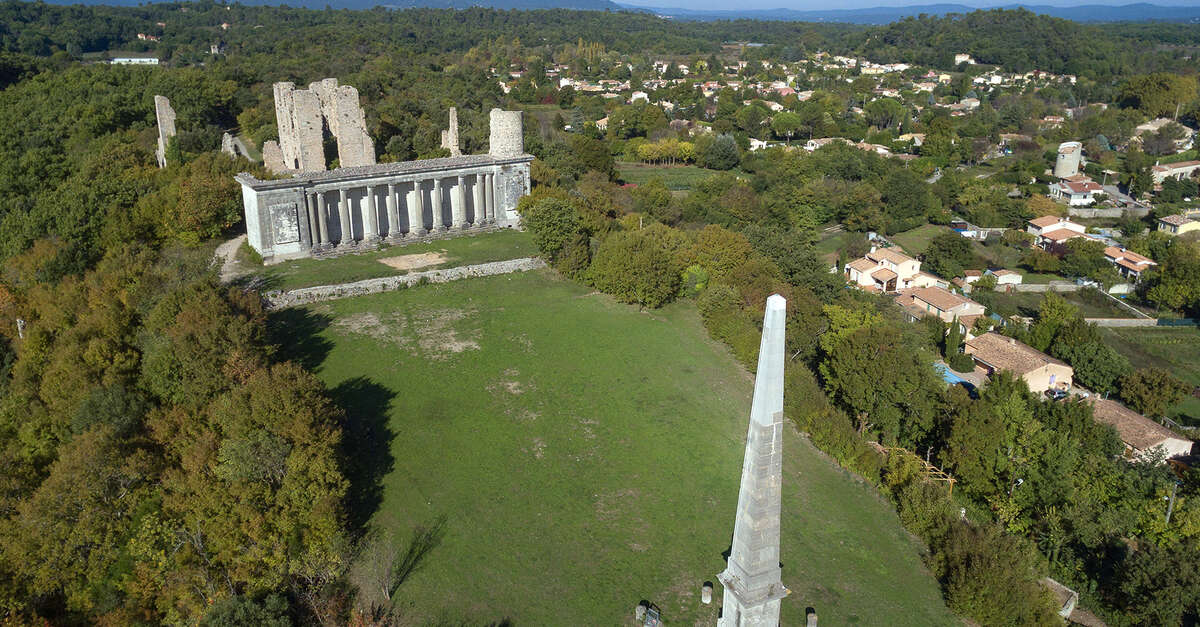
(817, 5)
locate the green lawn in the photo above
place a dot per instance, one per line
(584, 455)
(1091, 305)
(676, 177)
(1175, 349)
(915, 241)
(458, 251)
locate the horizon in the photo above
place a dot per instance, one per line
(773, 5)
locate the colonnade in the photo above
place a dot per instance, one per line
(409, 220)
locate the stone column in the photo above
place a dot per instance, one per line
(344, 219)
(458, 205)
(480, 216)
(310, 201)
(393, 213)
(439, 226)
(490, 202)
(416, 211)
(370, 218)
(321, 220)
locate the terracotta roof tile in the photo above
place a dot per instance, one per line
(1005, 353)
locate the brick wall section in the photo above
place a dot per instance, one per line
(307, 295)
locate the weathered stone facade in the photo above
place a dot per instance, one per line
(507, 133)
(303, 115)
(166, 128)
(450, 135)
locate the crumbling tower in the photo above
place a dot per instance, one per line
(166, 128)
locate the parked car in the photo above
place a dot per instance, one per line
(1057, 395)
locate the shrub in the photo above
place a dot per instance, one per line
(637, 267)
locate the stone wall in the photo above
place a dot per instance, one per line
(166, 128)
(1112, 212)
(301, 128)
(507, 135)
(302, 116)
(450, 135)
(307, 295)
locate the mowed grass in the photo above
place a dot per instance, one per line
(1174, 349)
(1026, 303)
(585, 456)
(916, 241)
(675, 177)
(458, 251)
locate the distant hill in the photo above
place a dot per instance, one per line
(876, 15)
(885, 15)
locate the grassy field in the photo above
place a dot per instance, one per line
(1175, 349)
(583, 455)
(676, 177)
(915, 241)
(458, 251)
(1091, 305)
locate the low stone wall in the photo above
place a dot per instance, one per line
(1115, 212)
(1123, 322)
(307, 295)
(1053, 286)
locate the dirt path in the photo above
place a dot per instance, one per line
(226, 257)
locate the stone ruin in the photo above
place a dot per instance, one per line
(304, 115)
(450, 135)
(166, 128)
(359, 206)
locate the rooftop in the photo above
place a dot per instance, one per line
(378, 170)
(1176, 166)
(1135, 429)
(1062, 235)
(1045, 221)
(1177, 219)
(943, 300)
(887, 254)
(1006, 353)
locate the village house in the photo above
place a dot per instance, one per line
(1178, 224)
(1143, 437)
(1156, 125)
(994, 352)
(1181, 170)
(943, 304)
(886, 270)
(1077, 193)
(1051, 232)
(1005, 277)
(1130, 264)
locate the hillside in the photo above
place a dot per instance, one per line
(584, 455)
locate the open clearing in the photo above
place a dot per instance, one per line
(393, 260)
(584, 456)
(1174, 349)
(675, 177)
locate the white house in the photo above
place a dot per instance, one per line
(1180, 170)
(1005, 277)
(886, 270)
(1051, 232)
(1076, 193)
(1130, 264)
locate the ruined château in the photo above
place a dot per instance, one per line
(361, 204)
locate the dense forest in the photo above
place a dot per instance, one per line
(163, 462)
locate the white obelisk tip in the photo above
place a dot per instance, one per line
(775, 302)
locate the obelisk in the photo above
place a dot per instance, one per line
(752, 578)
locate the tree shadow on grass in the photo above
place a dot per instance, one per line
(296, 334)
(366, 445)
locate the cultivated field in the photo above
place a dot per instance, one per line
(583, 456)
(394, 260)
(675, 177)
(1175, 349)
